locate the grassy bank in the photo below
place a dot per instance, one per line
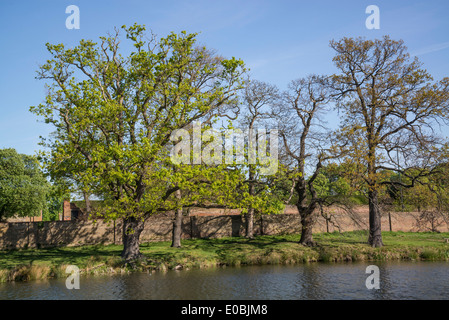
(32, 264)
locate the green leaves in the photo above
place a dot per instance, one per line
(113, 116)
(23, 187)
(390, 105)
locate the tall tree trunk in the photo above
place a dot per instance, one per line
(306, 212)
(389, 221)
(177, 225)
(375, 230)
(307, 221)
(250, 213)
(326, 217)
(250, 223)
(88, 204)
(132, 228)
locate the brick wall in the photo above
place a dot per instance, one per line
(203, 225)
(26, 219)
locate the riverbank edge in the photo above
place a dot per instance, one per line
(326, 252)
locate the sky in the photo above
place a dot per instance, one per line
(278, 40)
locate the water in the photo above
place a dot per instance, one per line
(399, 280)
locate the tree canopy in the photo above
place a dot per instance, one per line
(23, 186)
(114, 115)
(390, 105)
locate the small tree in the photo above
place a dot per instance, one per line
(23, 187)
(257, 98)
(55, 200)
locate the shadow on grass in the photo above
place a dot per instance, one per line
(259, 242)
(216, 249)
(70, 255)
(212, 248)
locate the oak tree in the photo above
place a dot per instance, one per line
(306, 143)
(114, 112)
(390, 107)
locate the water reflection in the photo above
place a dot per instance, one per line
(311, 284)
(402, 280)
(386, 285)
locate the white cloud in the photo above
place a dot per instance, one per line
(430, 49)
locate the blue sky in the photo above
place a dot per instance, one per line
(278, 40)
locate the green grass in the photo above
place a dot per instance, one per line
(30, 264)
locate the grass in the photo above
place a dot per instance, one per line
(34, 264)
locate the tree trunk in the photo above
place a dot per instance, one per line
(177, 229)
(132, 228)
(177, 225)
(250, 214)
(375, 230)
(250, 223)
(307, 222)
(326, 218)
(88, 205)
(389, 221)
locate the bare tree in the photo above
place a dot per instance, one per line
(299, 117)
(257, 98)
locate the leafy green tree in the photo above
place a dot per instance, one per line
(23, 187)
(284, 184)
(114, 115)
(201, 186)
(420, 197)
(54, 202)
(429, 194)
(343, 184)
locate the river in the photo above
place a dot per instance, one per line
(314, 281)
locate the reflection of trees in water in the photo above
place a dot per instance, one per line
(180, 285)
(385, 283)
(312, 283)
(307, 282)
(318, 282)
(418, 280)
(123, 287)
(140, 286)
